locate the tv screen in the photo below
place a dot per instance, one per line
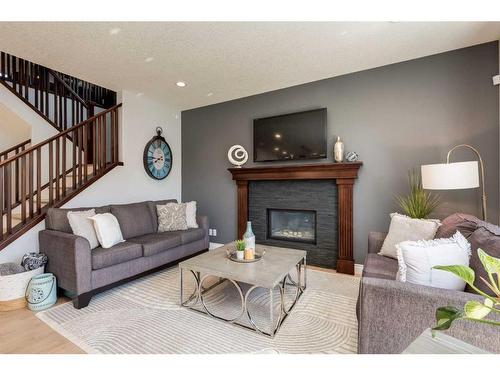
(294, 136)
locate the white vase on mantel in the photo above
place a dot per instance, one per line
(338, 151)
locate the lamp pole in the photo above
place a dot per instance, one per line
(481, 166)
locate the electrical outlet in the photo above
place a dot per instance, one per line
(212, 232)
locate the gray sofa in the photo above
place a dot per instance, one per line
(82, 272)
(392, 314)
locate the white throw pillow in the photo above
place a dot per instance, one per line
(191, 214)
(81, 225)
(171, 216)
(416, 259)
(404, 228)
(107, 230)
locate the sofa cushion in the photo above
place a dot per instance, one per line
(135, 219)
(464, 223)
(152, 207)
(486, 237)
(190, 235)
(117, 254)
(380, 267)
(155, 243)
(57, 218)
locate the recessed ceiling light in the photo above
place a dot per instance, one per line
(181, 84)
(115, 30)
(210, 94)
(277, 136)
(149, 59)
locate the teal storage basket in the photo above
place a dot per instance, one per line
(41, 292)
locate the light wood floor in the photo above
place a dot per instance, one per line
(22, 332)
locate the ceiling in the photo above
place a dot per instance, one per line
(221, 61)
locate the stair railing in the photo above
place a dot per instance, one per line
(55, 170)
(62, 100)
(10, 152)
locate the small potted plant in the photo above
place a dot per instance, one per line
(240, 249)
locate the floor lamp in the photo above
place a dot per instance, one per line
(452, 176)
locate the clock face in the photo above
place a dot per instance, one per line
(158, 158)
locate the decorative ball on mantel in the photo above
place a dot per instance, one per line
(237, 155)
(352, 156)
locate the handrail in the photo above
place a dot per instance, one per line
(68, 87)
(14, 148)
(58, 135)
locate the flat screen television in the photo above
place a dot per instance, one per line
(294, 136)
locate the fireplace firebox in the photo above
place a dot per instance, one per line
(291, 225)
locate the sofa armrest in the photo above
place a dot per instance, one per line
(375, 241)
(202, 222)
(393, 314)
(69, 259)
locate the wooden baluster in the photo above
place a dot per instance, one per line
(51, 173)
(20, 69)
(2, 66)
(84, 149)
(65, 111)
(30, 184)
(2, 199)
(94, 146)
(47, 88)
(61, 94)
(14, 73)
(56, 112)
(16, 178)
(63, 166)
(73, 169)
(113, 151)
(58, 156)
(80, 164)
(104, 140)
(23, 189)
(38, 180)
(9, 74)
(99, 151)
(36, 81)
(8, 196)
(73, 112)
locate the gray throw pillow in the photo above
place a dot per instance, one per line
(171, 216)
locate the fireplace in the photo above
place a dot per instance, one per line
(291, 225)
(259, 188)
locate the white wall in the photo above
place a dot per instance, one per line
(13, 129)
(130, 183)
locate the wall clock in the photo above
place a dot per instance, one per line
(157, 157)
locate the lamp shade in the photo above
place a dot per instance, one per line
(450, 176)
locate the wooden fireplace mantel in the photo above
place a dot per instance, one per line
(344, 175)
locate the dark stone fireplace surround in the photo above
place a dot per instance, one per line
(319, 196)
(343, 174)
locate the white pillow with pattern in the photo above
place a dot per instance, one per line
(171, 216)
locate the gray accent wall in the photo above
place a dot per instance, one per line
(395, 117)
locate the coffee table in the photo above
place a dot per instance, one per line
(271, 273)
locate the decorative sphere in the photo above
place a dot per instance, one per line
(237, 155)
(351, 156)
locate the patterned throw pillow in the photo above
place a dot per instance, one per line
(171, 216)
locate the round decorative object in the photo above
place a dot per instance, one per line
(237, 155)
(234, 257)
(351, 156)
(41, 292)
(157, 157)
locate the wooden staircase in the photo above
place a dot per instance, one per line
(52, 172)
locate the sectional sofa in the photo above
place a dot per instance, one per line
(392, 314)
(82, 272)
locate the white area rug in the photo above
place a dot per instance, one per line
(144, 316)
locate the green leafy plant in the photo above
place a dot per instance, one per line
(240, 245)
(418, 203)
(473, 310)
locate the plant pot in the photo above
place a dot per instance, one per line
(240, 254)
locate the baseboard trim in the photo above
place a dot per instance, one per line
(358, 269)
(214, 245)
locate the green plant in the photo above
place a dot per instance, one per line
(418, 203)
(473, 310)
(240, 245)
